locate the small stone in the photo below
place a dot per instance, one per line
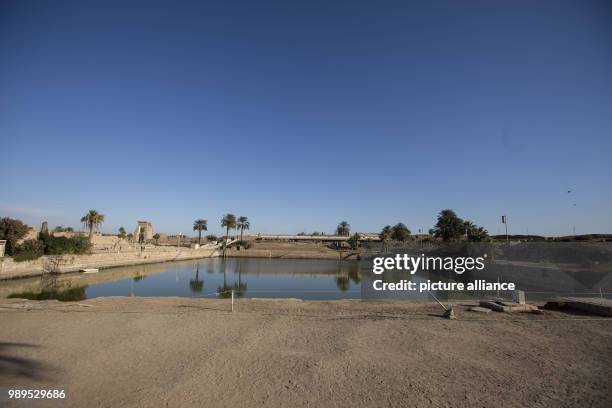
(479, 309)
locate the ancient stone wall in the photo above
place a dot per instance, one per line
(73, 263)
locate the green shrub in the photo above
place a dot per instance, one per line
(211, 237)
(28, 251)
(12, 231)
(354, 241)
(63, 245)
(244, 244)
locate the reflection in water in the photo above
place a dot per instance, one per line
(343, 283)
(68, 295)
(247, 277)
(312, 279)
(196, 285)
(347, 273)
(225, 291)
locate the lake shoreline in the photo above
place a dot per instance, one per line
(60, 264)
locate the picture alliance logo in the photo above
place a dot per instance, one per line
(412, 264)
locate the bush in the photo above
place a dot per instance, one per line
(62, 245)
(12, 231)
(28, 251)
(211, 237)
(60, 228)
(244, 244)
(354, 241)
(399, 232)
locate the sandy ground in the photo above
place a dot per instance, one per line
(149, 352)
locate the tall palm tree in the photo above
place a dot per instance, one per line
(385, 237)
(242, 224)
(343, 229)
(228, 222)
(91, 220)
(200, 225)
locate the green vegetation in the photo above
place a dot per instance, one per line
(244, 244)
(63, 245)
(200, 225)
(354, 241)
(450, 227)
(156, 237)
(211, 238)
(91, 220)
(46, 244)
(12, 231)
(343, 229)
(122, 234)
(228, 222)
(400, 232)
(385, 237)
(475, 233)
(29, 250)
(60, 228)
(242, 224)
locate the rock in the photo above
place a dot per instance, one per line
(479, 309)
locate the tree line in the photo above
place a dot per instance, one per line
(448, 227)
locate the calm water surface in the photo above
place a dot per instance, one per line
(292, 278)
(248, 277)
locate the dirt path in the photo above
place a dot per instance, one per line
(182, 352)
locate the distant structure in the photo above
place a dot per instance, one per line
(144, 231)
(362, 237)
(44, 229)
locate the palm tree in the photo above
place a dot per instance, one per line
(474, 233)
(385, 237)
(121, 232)
(228, 222)
(91, 220)
(242, 224)
(343, 229)
(200, 225)
(156, 237)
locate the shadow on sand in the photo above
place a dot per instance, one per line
(13, 367)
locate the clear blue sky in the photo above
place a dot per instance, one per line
(302, 114)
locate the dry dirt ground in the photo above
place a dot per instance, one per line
(150, 352)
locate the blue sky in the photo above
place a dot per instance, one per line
(302, 114)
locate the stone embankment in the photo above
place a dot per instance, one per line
(10, 269)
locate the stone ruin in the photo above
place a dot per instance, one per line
(143, 232)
